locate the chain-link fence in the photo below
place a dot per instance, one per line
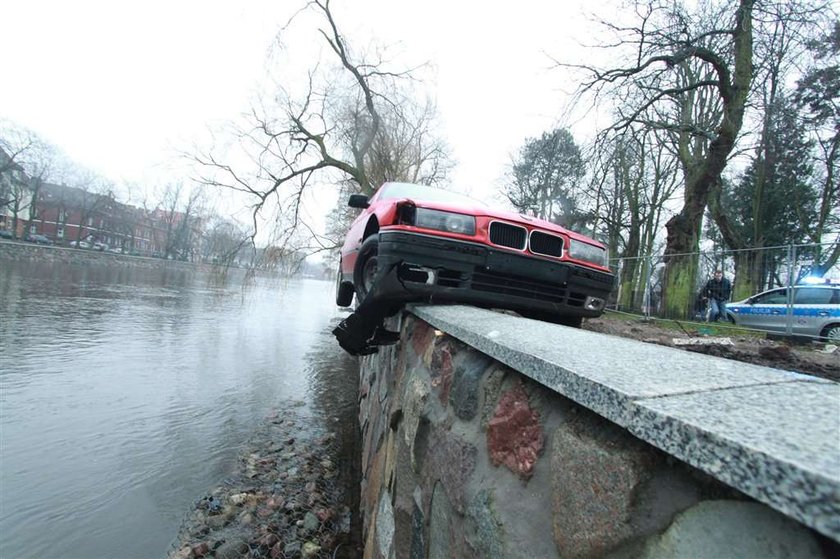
(801, 299)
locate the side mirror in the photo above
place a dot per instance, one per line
(358, 201)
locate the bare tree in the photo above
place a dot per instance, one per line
(180, 211)
(408, 147)
(669, 56)
(93, 198)
(13, 179)
(633, 179)
(355, 124)
(26, 163)
(223, 241)
(690, 73)
(14, 187)
(761, 208)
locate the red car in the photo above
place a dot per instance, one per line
(416, 243)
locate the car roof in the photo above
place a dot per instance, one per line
(803, 285)
(797, 286)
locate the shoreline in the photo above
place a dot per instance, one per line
(23, 252)
(289, 495)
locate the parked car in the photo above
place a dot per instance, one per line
(80, 244)
(100, 246)
(39, 239)
(416, 243)
(6, 234)
(815, 311)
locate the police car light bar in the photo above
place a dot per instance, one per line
(817, 280)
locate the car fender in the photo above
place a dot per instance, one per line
(367, 223)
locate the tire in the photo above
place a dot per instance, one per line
(367, 266)
(565, 320)
(831, 333)
(343, 290)
(573, 321)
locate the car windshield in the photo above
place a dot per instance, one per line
(415, 191)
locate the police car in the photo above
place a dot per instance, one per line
(815, 312)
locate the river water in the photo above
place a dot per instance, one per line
(126, 394)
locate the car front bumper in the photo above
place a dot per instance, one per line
(414, 267)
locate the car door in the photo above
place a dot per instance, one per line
(766, 311)
(812, 310)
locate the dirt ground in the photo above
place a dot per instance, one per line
(808, 357)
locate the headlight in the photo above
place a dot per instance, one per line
(589, 253)
(444, 221)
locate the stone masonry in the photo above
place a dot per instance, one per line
(466, 457)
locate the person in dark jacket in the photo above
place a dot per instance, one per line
(701, 304)
(717, 290)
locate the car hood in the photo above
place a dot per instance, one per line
(530, 222)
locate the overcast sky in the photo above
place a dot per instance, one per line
(120, 86)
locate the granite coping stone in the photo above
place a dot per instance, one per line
(773, 434)
(602, 372)
(778, 443)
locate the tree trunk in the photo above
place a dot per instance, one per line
(747, 280)
(684, 228)
(679, 284)
(15, 212)
(630, 273)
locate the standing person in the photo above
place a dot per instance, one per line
(718, 289)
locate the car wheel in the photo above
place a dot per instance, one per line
(367, 267)
(831, 333)
(573, 321)
(343, 290)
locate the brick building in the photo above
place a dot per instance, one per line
(68, 215)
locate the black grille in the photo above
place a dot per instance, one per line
(495, 282)
(507, 235)
(549, 245)
(600, 277)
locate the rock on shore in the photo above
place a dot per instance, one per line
(284, 500)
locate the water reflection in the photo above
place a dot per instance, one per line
(125, 394)
(334, 385)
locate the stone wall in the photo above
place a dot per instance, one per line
(466, 457)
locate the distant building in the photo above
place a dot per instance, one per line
(15, 196)
(68, 215)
